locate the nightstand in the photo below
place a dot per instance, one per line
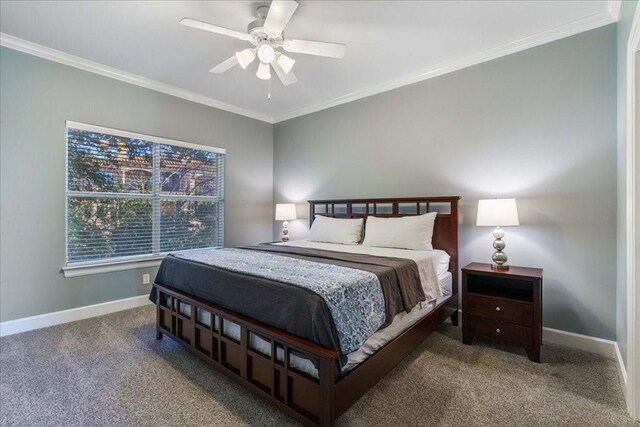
(503, 305)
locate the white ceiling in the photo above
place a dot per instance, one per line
(389, 43)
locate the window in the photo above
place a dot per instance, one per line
(135, 197)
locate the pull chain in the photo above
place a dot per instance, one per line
(269, 94)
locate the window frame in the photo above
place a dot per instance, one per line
(81, 268)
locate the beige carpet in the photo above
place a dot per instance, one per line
(111, 371)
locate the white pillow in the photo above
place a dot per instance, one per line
(336, 230)
(407, 232)
(441, 262)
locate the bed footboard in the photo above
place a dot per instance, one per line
(308, 399)
(312, 401)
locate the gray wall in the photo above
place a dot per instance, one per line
(538, 125)
(36, 97)
(624, 27)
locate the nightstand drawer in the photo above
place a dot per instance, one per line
(501, 331)
(500, 308)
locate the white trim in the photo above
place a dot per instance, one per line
(614, 8)
(554, 336)
(51, 319)
(600, 346)
(588, 23)
(81, 269)
(573, 28)
(622, 371)
(580, 342)
(632, 198)
(85, 268)
(35, 49)
(145, 137)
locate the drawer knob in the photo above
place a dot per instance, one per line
(498, 330)
(497, 308)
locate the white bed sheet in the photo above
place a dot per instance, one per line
(431, 264)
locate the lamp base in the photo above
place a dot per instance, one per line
(499, 258)
(285, 231)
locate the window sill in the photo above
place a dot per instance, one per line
(110, 266)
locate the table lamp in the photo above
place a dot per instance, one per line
(498, 213)
(285, 212)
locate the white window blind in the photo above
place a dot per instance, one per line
(133, 196)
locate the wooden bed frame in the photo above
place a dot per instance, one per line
(312, 401)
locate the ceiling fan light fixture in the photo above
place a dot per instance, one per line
(266, 53)
(264, 71)
(245, 57)
(266, 35)
(285, 63)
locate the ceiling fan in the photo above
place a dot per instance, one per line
(266, 35)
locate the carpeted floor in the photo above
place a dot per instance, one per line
(111, 371)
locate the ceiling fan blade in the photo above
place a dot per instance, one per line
(286, 78)
(331, 50)
(224, 66)
(280, 12)
(194, 23)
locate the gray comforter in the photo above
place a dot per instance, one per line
(335, 299)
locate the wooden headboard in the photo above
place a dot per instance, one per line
(445, 232)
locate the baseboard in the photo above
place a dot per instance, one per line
(11, 327)
(591, 344)
(554, 336)
(622, 371)
(580, 342)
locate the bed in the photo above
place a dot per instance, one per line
(311, 368)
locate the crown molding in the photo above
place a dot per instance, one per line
(35, 49)
(573, 28)
(589, 23)
(614, 9)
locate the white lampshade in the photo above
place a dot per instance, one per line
(497, 213)
(264, 72)
(285, 211)
(245, 57)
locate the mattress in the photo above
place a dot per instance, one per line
(401, 322)
(437, 258)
